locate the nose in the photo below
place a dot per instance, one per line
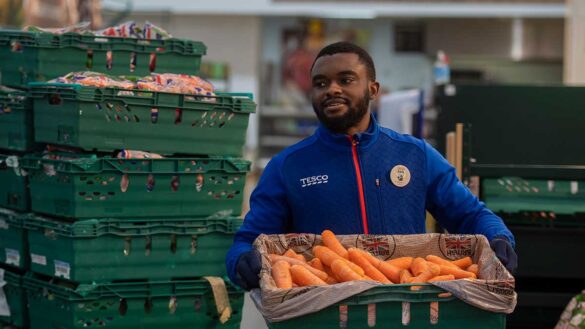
(334, 89)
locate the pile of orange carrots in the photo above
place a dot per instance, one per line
(332, 263)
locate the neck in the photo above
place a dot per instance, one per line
(361, 126)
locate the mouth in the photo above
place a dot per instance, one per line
(334, 104)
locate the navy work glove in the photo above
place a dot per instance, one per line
(505, 253)
(248, 269)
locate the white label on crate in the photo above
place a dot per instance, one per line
(12, 257)
(38, 259)
(62, 269)
(3, 224)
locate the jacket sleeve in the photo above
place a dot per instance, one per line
(454, 206)
(269, 214)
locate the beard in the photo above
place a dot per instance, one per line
(341, 124)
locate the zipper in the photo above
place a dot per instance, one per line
(360, 184)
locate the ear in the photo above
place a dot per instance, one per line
(374, 87)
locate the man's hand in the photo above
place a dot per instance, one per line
(505, 253)
(248, 269)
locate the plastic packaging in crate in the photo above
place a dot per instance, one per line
(14, 193)
(109, 187)
(104, 250)
(395, 306)
(16, 120)
(29, 57)
(146, 305)
(108, 119)
(13, 239)
(15, 298)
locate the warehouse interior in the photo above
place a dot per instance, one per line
(496, 86)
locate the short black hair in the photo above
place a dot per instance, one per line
(343, 47)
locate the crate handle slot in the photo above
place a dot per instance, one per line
(127, 245)
(123, 308)
(150, 182)
(148, 305)
(178, 116)
(152, 62)
(173, 243)
(133, 61)
(405, 313)
(147, 245)
(193, 244)
(342, 316)
(154, 115)
(434, 312)
(124, 182)
(199, 182)
(175, 182)
(109, 60)
(173, 305)
(89, 61)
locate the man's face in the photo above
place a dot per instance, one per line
(340, 91)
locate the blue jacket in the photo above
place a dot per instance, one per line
(316, 184)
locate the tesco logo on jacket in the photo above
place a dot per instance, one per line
(314, 180)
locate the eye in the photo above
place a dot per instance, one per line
(319, 84)
(347, 81)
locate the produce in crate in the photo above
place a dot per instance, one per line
(165, 82)
(129, 29)
(329, 267)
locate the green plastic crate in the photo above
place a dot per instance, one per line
(13, 240)
(108, 119)
(146, 305)
(16, 298)
(516, 195)
(14, 193)
(16, 120)
(29, 57)
(138, 188)
(105, 250)
(389, 306)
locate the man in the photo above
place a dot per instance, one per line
(353, 176)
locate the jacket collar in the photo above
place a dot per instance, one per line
(343, 141)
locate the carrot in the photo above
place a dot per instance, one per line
(292, 254)
(330, 241)
(439, 261)
(327, 256)
(418, 266)
(316, 263)
(463, 263)
(423, 277)
(358, 258)
(331, 280)
(390, 271)
(473, 268)
(434, 268)
(401, 262)
(281, 274)
(405, 276)
(447, 277)
(457, 273)
(343, 272)
(303, 277)
(292, 261)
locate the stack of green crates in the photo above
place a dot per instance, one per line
(93, 233)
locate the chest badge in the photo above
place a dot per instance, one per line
(400, 176)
